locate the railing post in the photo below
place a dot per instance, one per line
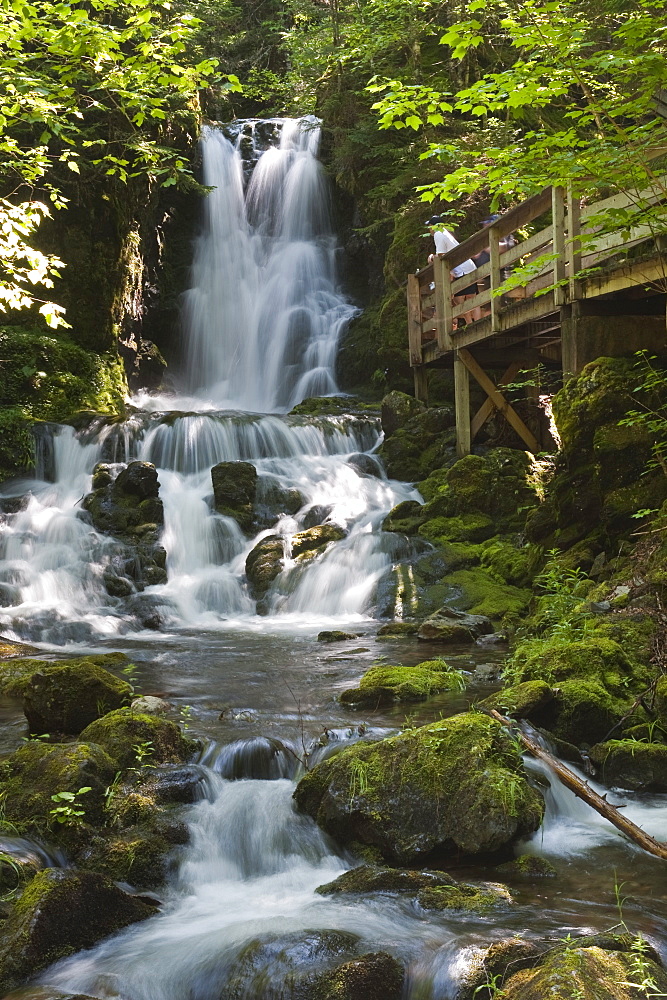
(462, 407)
(443, 304)
(421, 383)
(414, 320)
(558, 224)
(574, 241)
(496, 279)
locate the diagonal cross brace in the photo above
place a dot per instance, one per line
(498, 400)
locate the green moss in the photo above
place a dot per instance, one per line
(457, 782)
(398, 629)
(635, 633)
(370, 878)
(122, 731)
(481, 594)
(52, 378)
(595, 658)
(598, 396)
(135, 856)
(66, 696)
(520, 701)
(584, 712)
(464, 528)
(38, 770)
(382, 684)
(16, 673)
(17, 447)
(528, 866)
(406, 518)
(629, 763)
(469, 898)
(374, 976)
(509, 563)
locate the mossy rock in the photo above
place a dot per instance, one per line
(313, 541)
(450, 626)
(510, 563)
(457, 785)
(371, 878)
(529, 867)
(61, 912)
(120, 732)
(596, 658)
(497, 963)
(67, 696)
(9, 648)
(592, 973)
(398, 630)
(336, 635)
(15, 673)
(598, 396)
(628, 763)
(373, 976)
(136, 856)
(37, 770)
(521, 701)
(125, 506)
(660, 701)
(264, 563)
(235, 491)
(499, 484)
(405, 518)
(472, 527)
(634, 632)
(396, 409)
(384, 684)
(481, 594)
(426, 442)
(583, 712)
(620, 506)
(465, 898)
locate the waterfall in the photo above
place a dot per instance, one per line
(264, 315)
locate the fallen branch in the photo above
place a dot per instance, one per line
(583, 791)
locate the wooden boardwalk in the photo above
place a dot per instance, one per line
(585, 296)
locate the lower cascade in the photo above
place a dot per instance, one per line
(230, 542)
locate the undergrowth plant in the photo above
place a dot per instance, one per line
(68, 811)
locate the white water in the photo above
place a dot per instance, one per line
(262, 322)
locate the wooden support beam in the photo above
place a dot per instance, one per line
(414, 320)
(558, 222)
(496, 279)
(443, 304)
(421, 383)
(462, 406)
(574, 241)
(497, 398)
(488, 406)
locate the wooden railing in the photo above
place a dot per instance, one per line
(567, 243)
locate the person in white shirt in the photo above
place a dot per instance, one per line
(444, 242)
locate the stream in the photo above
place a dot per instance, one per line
(261, 324)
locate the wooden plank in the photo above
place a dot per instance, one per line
(496, 279)
(574, 244)
(643, 272)
(558, 223)
(421, 383)
(443, 304)
(538, 241)
(462, 406)
(414, 320)
(652, 194)
(488, 406)
(498, 400)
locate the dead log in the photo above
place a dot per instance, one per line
(583, 791)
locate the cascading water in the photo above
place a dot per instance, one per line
(262, 322)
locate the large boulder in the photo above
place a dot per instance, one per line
(39, 770)
(120, 733)
(396, 409)
(61, 912)
(264, 563)
(425, 441)
(450, 626)
(65, 697)
(632, 764)
(15, 674)
(129, 501)
(456, 786)
(521, 701)
(312, 542)
(235, 491)
(384, 684)
(374, 976)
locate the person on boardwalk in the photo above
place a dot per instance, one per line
(444, 242)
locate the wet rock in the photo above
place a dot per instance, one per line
(151, 611)
(501, 960)
(374, 976)
(126, 503)
(178, 784)
(273, 501)
(117, 586)
(591, 972)
(65, 697)
(628, 763)
(148, 704)
(61, 912)
(235, 491)
(528, 866)
(335, 635)
(425, 442)
(9, 595)
(9, 648)
(522, 701)
(366, 465)
(384, 684)
(317, 514)
(452, 786)
(310, 543)
(264, 563)
(468, 898)
(139, 479)
(406, 518)
(398, 629)
(448, 625)
(122, 731)
(397, 409)
(371, 878)
(274, 967)
(15, 674)
(38, 770)
(136, 856)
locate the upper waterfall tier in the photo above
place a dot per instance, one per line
(265, 312)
